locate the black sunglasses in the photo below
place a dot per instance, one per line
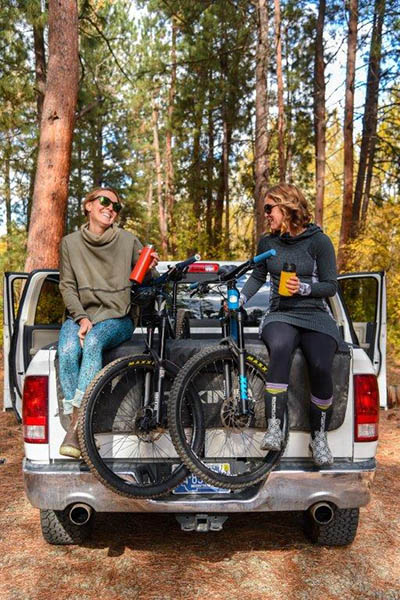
(268, 208)
(104, 201)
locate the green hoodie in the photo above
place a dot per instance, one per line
(94, 273)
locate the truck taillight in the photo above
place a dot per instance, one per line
(203, 267)
(366, 403)
(35, 409)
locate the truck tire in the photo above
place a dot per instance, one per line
(341, 531)
(57, 529)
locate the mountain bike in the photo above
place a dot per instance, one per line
(123, 429)
(227, 385)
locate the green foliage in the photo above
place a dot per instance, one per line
(128, 60)
(378, 249)
(12, 258)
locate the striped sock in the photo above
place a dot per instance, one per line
(322, 404)
(276, 388)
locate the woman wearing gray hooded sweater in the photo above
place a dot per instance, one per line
(95, 264)
(301, 318)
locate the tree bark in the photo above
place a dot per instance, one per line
(169, 167)
(320, 116)
(225, 158)
(368, 144)
(7, 191)
(149, 207)
(40, 68)
(210, 178)
(219, 206)
(97, 149)
(56, 130)
(348, 134)
(281, 115)
(261, 133)
(161, 206)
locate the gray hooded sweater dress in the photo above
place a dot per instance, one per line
(313, 254)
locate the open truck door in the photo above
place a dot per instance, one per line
(365, 298)
(33, 310)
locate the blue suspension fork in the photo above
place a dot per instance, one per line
(236, 330)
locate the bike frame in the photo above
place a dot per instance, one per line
(233, 334)
(233, 330)
(160, 320)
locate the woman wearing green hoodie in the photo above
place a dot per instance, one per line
(95, 264)
(301, 318)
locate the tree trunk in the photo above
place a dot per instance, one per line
(169, 167)
(320, 116)
(195, 170)
(370, 114)
(7, 191)
(40, 68)
(368, 181)
(149, 207)
(219, 207)
(56, 130)
(261, 133)
(210, 178)
(30, 193)
(97, 141)
(281, 115)
(161, 206)
(226, 155)
(348, 134)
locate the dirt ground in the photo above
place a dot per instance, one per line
(261, 556)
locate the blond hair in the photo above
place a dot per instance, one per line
(95, 194)
(292, 203)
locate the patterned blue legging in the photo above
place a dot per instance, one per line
(79, 365)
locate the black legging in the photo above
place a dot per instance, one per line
(282, 339)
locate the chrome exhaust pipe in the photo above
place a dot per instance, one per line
(322, 513)
(80, 514)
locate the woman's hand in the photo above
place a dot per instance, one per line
(85, 325)
(293, 284)
(155, 260)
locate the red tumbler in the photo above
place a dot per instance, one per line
(142, 266)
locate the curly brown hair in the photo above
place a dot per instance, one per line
(95, 194)
(292, 203)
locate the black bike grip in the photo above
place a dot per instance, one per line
(187, 262)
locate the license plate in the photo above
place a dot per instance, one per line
(194, 485)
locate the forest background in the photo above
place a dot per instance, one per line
(191, 110)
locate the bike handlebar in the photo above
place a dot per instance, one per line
(175, 270)
(187, 262)
(238, 271)
(263, 256)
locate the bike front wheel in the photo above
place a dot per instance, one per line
(119, 443)
(231, 456)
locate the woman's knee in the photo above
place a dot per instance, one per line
(92, 342)
(69, 351)
(277, 346)
(319, 370)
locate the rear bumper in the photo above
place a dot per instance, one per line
(294, 485)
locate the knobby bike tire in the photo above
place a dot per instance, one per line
(202, 376)
(109, 401)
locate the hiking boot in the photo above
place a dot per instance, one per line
(273, 438)
(320, 450)
(275, 405)
(319, 447)
(70, 446)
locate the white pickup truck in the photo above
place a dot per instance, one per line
(67, 494)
